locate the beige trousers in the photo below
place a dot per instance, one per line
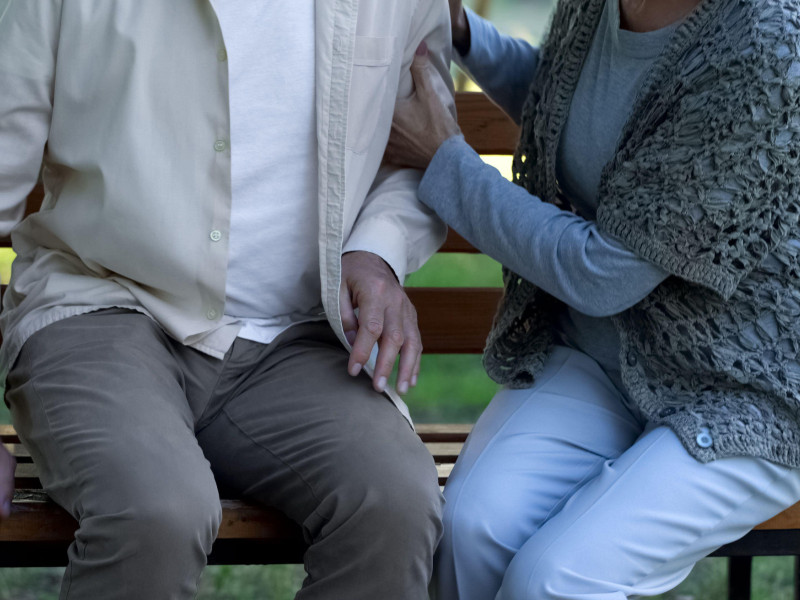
(133, 432)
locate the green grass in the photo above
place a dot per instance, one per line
(454, 270)
(772, 580)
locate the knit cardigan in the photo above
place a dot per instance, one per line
(705, 184)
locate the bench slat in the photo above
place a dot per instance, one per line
(19, 452)
(456, 243)
(486, 128)
(454, 320)
(36, 519)
(8, 435)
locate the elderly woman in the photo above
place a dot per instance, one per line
(648, 338)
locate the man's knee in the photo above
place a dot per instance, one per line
(182, 517)
(396, 496)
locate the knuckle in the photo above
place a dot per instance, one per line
(378, 285)
(414, 344)
(396, 337)
(373, 327)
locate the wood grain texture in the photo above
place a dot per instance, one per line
(485, 127)
(456, 243)
(454, 320)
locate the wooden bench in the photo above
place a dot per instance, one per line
(453, 321)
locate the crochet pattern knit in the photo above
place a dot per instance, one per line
(704, 184)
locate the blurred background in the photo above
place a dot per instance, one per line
(452, 389)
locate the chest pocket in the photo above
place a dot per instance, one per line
(367, 104)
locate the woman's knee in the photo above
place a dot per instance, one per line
(480, 515)
(544, 574)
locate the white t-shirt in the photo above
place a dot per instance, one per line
(273, 262)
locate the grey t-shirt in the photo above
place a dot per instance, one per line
(604, 98)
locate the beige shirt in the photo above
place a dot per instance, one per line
(131, 99)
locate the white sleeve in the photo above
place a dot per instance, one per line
(392, 222)
(28, 42)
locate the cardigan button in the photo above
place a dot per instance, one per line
(704, 439)
(632, 360)
(670, 410)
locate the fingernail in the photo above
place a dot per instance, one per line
(413, 381)
(381, 384)
(350, 336)
(422, 49)
(355, 369)
(402, 387)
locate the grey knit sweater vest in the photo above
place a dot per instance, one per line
(705, 184)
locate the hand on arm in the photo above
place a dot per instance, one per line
(422, 122)
(385, 316)
(557, 250)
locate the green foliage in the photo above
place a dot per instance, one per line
(251, 582)
(30, 584)
(454, 270)
(451, 389)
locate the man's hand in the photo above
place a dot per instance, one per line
(7, 465)
(422, 122)
(385, 316)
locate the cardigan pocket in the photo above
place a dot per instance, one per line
(369, 83)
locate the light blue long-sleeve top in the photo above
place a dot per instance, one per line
(562, 252)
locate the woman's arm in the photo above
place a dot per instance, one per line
(501, 65)
(560, 252)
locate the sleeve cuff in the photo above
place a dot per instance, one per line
(440, 178)
(384, 239)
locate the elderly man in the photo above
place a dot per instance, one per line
(217, 233)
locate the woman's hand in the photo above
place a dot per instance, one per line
(422, 122)
(459, 26)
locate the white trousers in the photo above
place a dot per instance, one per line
(561, 492)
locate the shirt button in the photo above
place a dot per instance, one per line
(212, 314)
(222, 55)
(632, 360)
(215, 235)
(220, 145)
(704, 439)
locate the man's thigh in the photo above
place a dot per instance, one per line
(298, 432)
(98, 400)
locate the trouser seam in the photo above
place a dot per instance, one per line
(279, 459)
(483, 454)
(72, 469)
(575, 520)
(717, 524)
